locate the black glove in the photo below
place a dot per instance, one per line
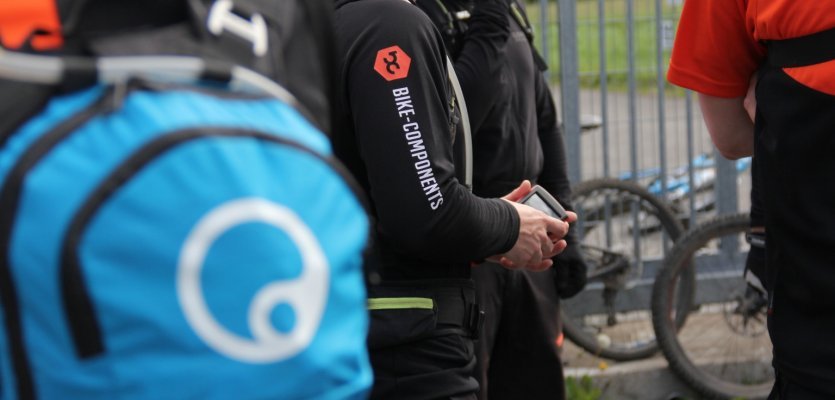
(569, 271)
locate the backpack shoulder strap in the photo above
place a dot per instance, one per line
(465, 124)
(319, 14)
(522, 20)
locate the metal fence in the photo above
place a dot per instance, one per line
(608, 64)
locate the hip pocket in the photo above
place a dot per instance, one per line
(397, 320)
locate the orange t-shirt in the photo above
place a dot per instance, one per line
(718, 44)
(20, 18)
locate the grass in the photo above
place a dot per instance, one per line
(581, 389)
(615, 30)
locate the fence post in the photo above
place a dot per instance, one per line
(661, 81)
(604, 86)
(726, 199)
(691, 144)
(632, 88)
(570, 85)
(726, 188)
(543, 37)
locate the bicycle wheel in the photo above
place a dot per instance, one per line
(624, 232)
(713, 332)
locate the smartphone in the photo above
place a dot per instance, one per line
(540, 199)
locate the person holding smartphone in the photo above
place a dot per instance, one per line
(395, 124)
(515, 137)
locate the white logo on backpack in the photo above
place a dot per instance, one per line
(306, 294)
(254, 30)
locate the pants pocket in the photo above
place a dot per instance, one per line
(398, 320)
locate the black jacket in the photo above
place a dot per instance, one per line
(394, 132)
(512, 113)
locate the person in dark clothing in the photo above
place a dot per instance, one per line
(788, 44)
(516, 137)
(395, 124)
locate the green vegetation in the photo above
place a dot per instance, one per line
(615, 28)
(581, 389)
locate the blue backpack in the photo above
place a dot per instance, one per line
(171, 240)
(177, 242)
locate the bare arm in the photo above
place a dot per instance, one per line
(730, 127)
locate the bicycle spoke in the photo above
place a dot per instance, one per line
(721, 346)
(625, 233)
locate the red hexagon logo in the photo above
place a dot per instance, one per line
(392, 63)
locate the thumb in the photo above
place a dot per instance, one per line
(519, 192)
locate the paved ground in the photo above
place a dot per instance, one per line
(715, 340)
(647, 131)
(648, 379)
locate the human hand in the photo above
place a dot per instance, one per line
(521, 191)
(540, 236)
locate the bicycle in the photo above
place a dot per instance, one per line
(696, 179)
(624, 232)
(713, 330)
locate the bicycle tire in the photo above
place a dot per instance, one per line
(575, 326)
(673, 329)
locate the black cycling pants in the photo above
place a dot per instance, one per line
(517, 352)
(420, 340)
(785, 390)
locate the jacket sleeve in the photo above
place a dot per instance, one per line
(477, 64)
(398, 96)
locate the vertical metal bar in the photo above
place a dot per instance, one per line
(691, 177)
(635, 208)
(604, 107)
(660, 80)
(604, 82)
(607, 216)
(543, 37)
(726, 199)
(570, 84)
(630, 55)
(726, 190)
(633, 128)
